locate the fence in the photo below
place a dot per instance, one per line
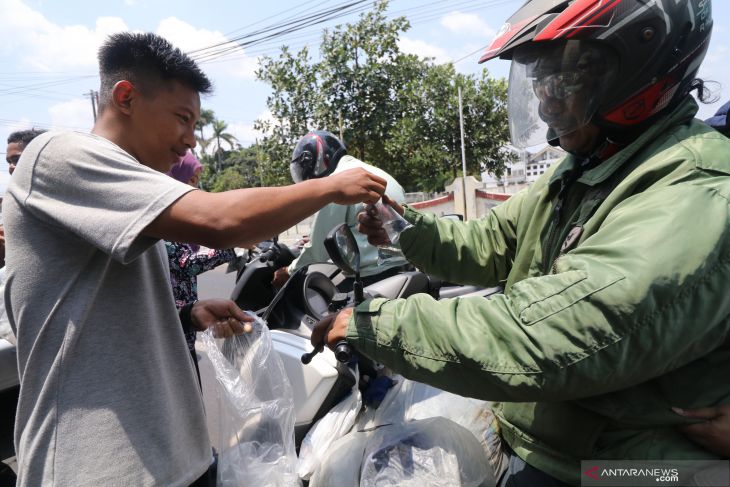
(478, 202)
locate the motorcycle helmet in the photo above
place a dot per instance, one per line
(315, 156)
(614, 63)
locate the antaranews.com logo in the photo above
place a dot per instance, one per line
(678, 473)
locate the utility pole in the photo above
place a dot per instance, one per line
(342, 139)
(260, 162)
(463, 153)
(93, 96)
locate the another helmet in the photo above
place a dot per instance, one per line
(316, 155)
(638, 57)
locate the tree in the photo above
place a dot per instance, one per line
(397, 111)
(428, 139)
(216, 140)
(230, 178)
(206, 118)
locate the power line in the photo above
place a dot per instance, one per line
(419, 15)
(277, 30)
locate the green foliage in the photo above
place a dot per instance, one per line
(397, 111)
(206, 118)
(230, 178)
(243, 167)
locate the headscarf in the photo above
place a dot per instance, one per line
(184, 170)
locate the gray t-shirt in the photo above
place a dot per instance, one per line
(108, 391)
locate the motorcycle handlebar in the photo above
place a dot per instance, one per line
(343, 353)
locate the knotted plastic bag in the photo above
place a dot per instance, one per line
(435, 452)
(336, 423)
(256, 410)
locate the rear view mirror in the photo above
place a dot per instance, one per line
(342, 248)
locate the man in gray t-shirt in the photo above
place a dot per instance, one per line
(108, 392)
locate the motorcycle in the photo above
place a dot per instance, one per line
(308, 296)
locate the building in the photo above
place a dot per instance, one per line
(527, 167)
(539, 162)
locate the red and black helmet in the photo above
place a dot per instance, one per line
(658, 46)
(316, 155)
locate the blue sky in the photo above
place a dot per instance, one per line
(48, 50)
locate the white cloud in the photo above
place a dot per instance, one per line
(245, 133)
(468, 24)
(423, 49)
(50, 47)
(74, 114)
(189, 38)
(130, 3)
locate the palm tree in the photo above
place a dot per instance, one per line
(220, 135)
(206, 118)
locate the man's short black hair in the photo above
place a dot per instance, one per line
(146, 60)
(23, 137)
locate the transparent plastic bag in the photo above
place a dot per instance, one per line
(394, 225)
(409, 400)
(435, 452)
(335, 424)
(256, 410)
(341, 466)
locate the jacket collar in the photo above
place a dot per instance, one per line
(683, 113)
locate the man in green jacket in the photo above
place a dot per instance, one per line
(615, 263)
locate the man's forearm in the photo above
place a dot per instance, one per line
(246, 216)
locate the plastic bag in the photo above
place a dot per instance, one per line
(336, 423)
(256, 416)
(409, 400)
(393, 224)
(436, 452)
(341, 466)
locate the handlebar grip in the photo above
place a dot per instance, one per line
(343, 352)
(307, 357)
(267, 255)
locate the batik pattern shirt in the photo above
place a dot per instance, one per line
(185, 264)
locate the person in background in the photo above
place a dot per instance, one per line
(320, 154)
(186, 260)
(720, 121)
(108, 394)
(17, 141)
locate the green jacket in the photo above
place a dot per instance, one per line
(588, 349)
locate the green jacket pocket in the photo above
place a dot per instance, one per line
(538, 298)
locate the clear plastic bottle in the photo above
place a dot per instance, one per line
(394, 225)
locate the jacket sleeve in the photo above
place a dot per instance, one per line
(643, 295)
(478, 252)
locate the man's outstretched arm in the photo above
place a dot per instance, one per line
(246, 216)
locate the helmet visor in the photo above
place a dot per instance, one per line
(555, 89)
(297, 172)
